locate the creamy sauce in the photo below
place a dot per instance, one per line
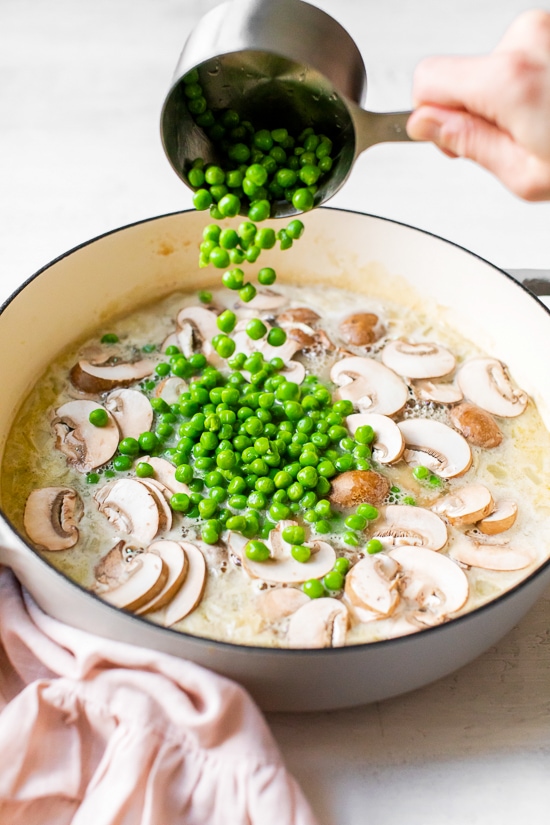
(518, 469)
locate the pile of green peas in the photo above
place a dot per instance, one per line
(259, 166)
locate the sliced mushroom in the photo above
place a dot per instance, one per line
(280, 602)
(371, 584)
(196, 328)
(294, 371)
(97, 378)
(320, 623)
(175, 558)
(356, 486)
(369, 385)
(435, 585)
(298, 315)
(190, 593)
(502, 518)
(130, 507)
(422, 360)
(431, 444)
(131, 410)
(484, 381)
(284, 569)
(165, 474)
(170, 389)
(244, 343)
(50, 517)
(388, 444)
(236, 543)
(437, 392)
(162, 496)
(476, 425)
(147, 579)
(266, 300)
(85, 445)
(115, 566)
(466, 505)
(303, 335)
(490, 556)
(402, 524)
(360, 329)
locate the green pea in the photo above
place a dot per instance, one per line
(367, 511)
(279, 511)
(234, 179)
(259, 210)
(180, 502)
(237, 523)
(344, 463)
(122, 463)
(247, 293)
(207, 508)
(92, 478)
(256, 551)
(109, 338)
(267, 276)
(300, 552)
(228, 239)
(225, 347)
(196, 178)
(364, 434)
(333, 580)
(421, 472)
(374, 546)
(356, 522)
(233, 278)
(302, 200)
(219, 257)
(295, 229)
(351, 539)
(314, 588)
(99, 417)
(226, 321)
(256, 329)
(202, 199)
(276, 337)
(129, 446)
(229, 205)
(144, 470)
(294, 534)
(265, 238)
(209, 534)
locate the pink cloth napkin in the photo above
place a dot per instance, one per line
(95, 732)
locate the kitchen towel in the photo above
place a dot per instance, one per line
(96, 732)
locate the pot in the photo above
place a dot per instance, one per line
(117, 272)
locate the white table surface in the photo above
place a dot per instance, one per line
(81, 87)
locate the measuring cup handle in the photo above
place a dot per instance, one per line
(379, 127)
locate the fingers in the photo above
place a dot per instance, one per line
(531, 31)
(462, 134)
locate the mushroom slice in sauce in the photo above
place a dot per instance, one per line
(170, 389)
(266, 300)
(476, 425)
(115, 566)
(298, 315)
(148, 578)
(434, 445)
(465, 505)
(85, 445)
(130, 507)
(131, 410)
(175, 558)
(360, 329)
(280, 602)
(189, 594)
(403, 524)
(96, 378)
(484, 381)
(423, 360)
(294, 371)
(282, 568)
(388, 444)
(501, 519)
(196, 328)
(51, 515)
(162, 496)
(369, 385)
(434, 584)
(490, 556)
(320, 623)
(437, 392)
(357, 486)
(371, 584)
(165, 474)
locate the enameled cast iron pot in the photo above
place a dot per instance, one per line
(71, 297)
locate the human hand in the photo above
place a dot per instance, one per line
(493, 109)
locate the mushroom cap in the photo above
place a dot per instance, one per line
(320, 623)
(465, 505)
(298, 315)
(433, 581)
(50, 517)
(484, 382)
(422, 360)
(427, 390)
(280, 602)
(369, 385)
(85, 445)
(388, 444)
(284, 569)
(130, 507)
(97, 378)
(357, 486)
(148, 577)
(170, 389)
(490, 556)
(360, 329)
(403, 524)
(502, 518)
(190, 593)
(175, 558)
(431, 444)
(131, 410)
(476, 425)
(371, 584)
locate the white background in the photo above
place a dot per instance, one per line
(81, 87)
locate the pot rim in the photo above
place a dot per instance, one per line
(347, 650)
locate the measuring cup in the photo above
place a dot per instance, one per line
(278, 63)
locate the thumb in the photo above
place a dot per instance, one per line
(461, 134)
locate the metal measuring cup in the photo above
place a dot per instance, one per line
(277, 63)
